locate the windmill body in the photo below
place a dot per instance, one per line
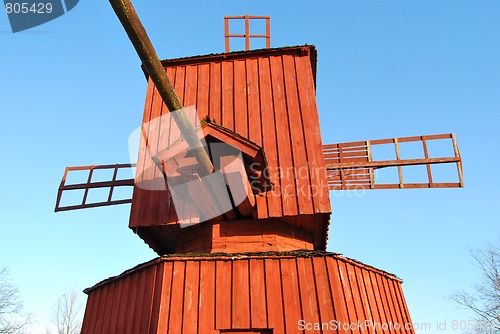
(243, 249)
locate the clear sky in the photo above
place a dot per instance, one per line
(71, 92)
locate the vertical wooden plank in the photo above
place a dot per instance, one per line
(275, 312)
(100, 321)
(191, 292)
(215, 93)
(227, 95)
(148, 299)
(91, 312)
(274, 207)
(139, 301)
(202, 96)
(365, 304)
(336, 286)
(191, 86)
(124, 305)
(379, 298)
(370, 159)
(388, 300)
(175, 320)
(405, 307)
(350, 297)
(371, 299)
(395, 305)
(152, 177)
(291, 295)
(136, 210)
(223, 294)
(385, 314)
(255, 126)
(309, 110)
(355, 291)
(180, 83)
(156, 302)
(258, 305)
(287, 175)
(131, 308)
(165, 299)
(459, 164)
(308, 292)
(426, 156)
(240, 99)
(165, 205)
(240, 295)
(253, 101)
(400, 169)
(108, 310)
(206, 305)
(324, 293)
(297, 137)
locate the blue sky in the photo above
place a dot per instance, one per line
(71, 92)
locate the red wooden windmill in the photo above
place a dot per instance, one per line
(235, 200)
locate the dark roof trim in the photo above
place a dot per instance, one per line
(242, 256)
(301, 50)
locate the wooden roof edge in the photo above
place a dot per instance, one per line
(243, 256)
(303, 50)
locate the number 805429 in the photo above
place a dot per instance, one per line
(26, 8)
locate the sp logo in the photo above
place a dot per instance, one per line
(26, 14)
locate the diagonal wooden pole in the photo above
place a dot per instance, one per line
(137, 34)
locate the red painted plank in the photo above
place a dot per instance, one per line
(147, 293)
(355, 290)
(287, 175)
(215, 92)
(310, 118)
(258, 307)
(308, 292)
(166, 296)
(175, 320)
(115, 306)
(370, 298)
(156, 298)
(191, 293)
(297, 137)
(105, 313)
(240, 99)
(348, 294)
(131, 304)
(379, 297)
(136, 210)
(227, 96)
(275, 311)
(240, 305)
(326, 306)
(269, 142)
(223, 294)
(202, 95)
(339, 301)
(91, 312)
(291, 298)
(206, 306)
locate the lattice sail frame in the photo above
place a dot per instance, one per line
(350, 166)
(91, 184)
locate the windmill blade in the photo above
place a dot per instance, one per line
(351, 166)
(93, 184)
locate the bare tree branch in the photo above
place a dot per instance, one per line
(66, 313)
(12, 320)
(484, 301)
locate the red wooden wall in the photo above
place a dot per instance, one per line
(250, 293)
(267, 96)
